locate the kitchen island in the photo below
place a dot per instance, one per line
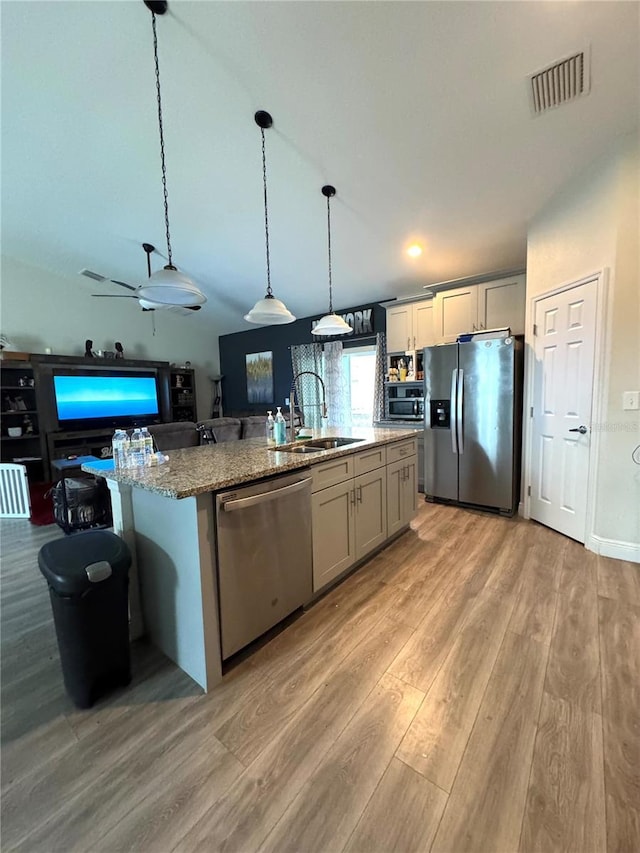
(166, 514)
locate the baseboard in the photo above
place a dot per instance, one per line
(629, 551)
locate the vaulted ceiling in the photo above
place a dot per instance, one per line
(418, 113)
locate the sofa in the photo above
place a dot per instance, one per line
(214, 430)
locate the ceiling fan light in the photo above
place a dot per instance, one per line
(169, 286)
(331, 324)
(269, 311)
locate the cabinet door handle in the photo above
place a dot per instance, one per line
(359, 494)
(408, 343)
(414, 342)
(352, 497)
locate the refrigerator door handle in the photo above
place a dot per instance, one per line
(459, 404)
(454, 378)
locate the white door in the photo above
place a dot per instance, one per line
(564, 346)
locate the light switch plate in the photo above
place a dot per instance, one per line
(630, 401)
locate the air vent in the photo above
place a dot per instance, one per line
(561, 82)
(94, 275)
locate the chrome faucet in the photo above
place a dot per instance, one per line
(292, 398)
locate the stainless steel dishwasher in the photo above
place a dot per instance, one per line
(264, 556)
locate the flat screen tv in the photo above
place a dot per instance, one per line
(89, 399)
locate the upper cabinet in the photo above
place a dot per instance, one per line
(491, 305)
(473, 308)
(502, 303)
(410, 326)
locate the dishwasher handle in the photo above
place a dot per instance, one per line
(256, 500)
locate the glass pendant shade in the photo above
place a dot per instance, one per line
(269, 312)
(169, 286)
(331, 324)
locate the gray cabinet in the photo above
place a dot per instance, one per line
(371, 511)
(401, 493)
(402, 484)
(349, 517)
(333, 521)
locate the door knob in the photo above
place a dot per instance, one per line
(581, 429)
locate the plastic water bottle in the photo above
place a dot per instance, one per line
(126, 450)
(271, 439)
(118, 447)
(147, 440)
(280, 428)
(137, 449)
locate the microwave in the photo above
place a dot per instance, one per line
(405, 401)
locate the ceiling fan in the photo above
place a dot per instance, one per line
(146, 304)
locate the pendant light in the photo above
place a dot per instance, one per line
(330, 324)
(267, 311)
(167, 286)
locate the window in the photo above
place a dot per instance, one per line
(359, 365)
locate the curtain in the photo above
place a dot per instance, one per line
(308, 391)
(381, 373)
(326, 361)
(339, 410)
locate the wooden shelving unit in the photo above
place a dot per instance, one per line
(19, 409)
(182, 390)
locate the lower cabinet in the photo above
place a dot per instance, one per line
(401, 493)
(334, 532)
(349, 520)
(358, 501)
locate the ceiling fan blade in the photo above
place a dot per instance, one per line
(123, 284)
(112, 296)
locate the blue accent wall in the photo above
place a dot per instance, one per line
(278, 340)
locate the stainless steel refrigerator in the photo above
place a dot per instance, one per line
(473, 423)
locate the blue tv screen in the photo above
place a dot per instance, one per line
(105, 398)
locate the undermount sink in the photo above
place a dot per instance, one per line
(298, 448)
(331, 443)
(316, 444)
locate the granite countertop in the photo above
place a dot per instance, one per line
(193, 470)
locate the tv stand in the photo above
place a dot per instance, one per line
(87, 442)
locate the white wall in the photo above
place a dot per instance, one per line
(591, 225)
(42, 310)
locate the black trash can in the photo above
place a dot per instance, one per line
(88, 577)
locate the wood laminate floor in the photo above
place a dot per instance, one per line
(474, 687)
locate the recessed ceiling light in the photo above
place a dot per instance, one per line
(414, 250)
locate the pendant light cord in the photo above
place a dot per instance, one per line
(266, 215)
(329, 245)
(160, 126)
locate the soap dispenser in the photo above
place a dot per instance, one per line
(280, 430)
(270, 426)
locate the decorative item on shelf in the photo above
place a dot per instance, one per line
(14, 432)
(331, 323)
(88, 349)
(267, 311)
(119, 350)
(19, 405)
(108, 354)
(179, 380)
(393, 374)
(27, 425)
